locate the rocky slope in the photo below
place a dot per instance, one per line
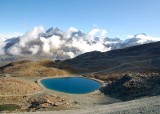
(134, 85)
(137, 58)
(131, 72)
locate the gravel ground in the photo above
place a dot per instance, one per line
(149, 105)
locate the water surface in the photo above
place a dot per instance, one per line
(73, 85)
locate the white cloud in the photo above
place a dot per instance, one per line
(31, 36)
(130, 36)
(70, 31)
(46, 46)
(84, 46)
(2, 44)
(34, 49)
(144, 38)
(15, 50)
(96, 32)
(55, 41)
(103, 33)
(70, 54)
(64, 45)
(92, 34)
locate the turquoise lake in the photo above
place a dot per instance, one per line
(72, 85)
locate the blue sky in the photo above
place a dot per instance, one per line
(118, 17)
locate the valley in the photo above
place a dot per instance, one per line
(126, 74)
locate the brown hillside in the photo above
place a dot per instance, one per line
(33, 68)
(11, 86)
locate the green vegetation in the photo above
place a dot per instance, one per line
(9, 107)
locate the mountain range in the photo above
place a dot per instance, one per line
(129, 73)
(139, 58)
(64, 45)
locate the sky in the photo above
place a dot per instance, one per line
(119, 18)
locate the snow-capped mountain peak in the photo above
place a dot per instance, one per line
(61, 45)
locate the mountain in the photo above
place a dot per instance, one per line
(135, 58)
(129, 73)
(52, 31)
(64, 45)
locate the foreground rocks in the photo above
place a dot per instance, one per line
(48, 101)
(149, 105)
(134, 85)
(37, 102)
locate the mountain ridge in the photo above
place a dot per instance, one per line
(130, 73)
(96, 60)
(64, 45)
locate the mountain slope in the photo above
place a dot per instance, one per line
(121, 58)
(33, 68)
(130, 73)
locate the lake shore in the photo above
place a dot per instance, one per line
(79, 101)
(38, 81)
(82, 100)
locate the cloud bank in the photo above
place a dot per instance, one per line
(61, 45)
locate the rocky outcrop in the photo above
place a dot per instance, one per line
(134, 85)
(47, 101)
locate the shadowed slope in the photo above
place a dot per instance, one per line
(135, 57)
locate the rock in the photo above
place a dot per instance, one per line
(134, 86)
(45, 105)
